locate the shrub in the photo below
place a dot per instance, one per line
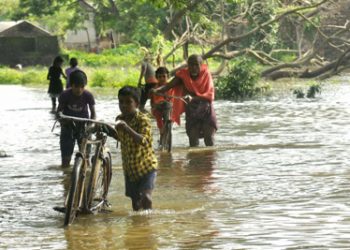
(240, 82)
(124, 55)
(114, 78)
(26, 76)
(34, 76)
(314, 88)
(10, 76)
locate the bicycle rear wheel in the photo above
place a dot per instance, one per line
(72, 205)
(99, 184)
(167, 137)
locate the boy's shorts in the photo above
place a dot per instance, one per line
(69, 135)
(135, 189)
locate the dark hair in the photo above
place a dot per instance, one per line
(162, 70)
(195, 58)
(78, 78)
(130, 91)
(73, 62)
(57, 60)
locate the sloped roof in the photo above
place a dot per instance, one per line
(7, 25)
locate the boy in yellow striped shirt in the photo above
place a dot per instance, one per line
(134, 131)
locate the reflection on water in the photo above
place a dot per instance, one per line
(279, 178)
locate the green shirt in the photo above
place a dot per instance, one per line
(138, 159)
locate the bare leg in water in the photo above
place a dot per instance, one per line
(193, 136)
(208, 132)
(144, 201)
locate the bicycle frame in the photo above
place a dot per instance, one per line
(84, 196)
(83, 193)
(166, 133)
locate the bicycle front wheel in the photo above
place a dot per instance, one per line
(72, 205)
(100, 181)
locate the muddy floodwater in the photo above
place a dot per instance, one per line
(279, 178)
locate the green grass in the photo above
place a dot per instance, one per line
(33, 75)
(114, 77)
(111, 68)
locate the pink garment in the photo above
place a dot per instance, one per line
(68, 72)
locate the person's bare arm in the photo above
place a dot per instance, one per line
(174, 82)
(142, 73)
(62, 73)
(190, 98)
(138, 138)
(92, 112)
(112, 132)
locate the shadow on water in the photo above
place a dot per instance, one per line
(201, 165)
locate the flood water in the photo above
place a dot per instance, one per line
(279, 178)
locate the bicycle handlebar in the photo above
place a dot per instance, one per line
(79, 119)
(182, 98)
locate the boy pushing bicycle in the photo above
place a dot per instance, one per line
(161, 104)
(78, 102)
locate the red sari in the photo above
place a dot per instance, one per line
(202, 86)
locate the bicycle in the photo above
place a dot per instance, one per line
(91, 196)
(165, 142)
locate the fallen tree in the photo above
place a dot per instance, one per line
(309, 64)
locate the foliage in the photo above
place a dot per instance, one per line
(124, 55)
(7, 8)
(240, 82)
(32, 76)
(114, 78)
(140, 21)
(299, 93)
(266, 38)
(285, 57)
(10, 76)
(314, 88)
(97, 77)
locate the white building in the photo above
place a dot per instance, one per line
(84, 38)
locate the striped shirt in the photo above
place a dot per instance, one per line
(138, 159)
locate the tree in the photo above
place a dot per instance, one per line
(284, 34)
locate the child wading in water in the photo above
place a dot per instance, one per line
(147, 72)
(161, 105)
(139, 162)
(73, 62)
(55, 86)
(75, 101)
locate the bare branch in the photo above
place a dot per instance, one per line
(239, 37)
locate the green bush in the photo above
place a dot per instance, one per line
(10, 76)
(313, 90)
(124, 55)
(240, 82)
(26, 76)
(34, 76)
(114, 78)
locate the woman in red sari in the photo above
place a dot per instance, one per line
(196, 84)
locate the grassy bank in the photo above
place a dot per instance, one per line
(110, 68)
(97, 77)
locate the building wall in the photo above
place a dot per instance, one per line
(28, 50)
(84, 38)
(27, 44)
